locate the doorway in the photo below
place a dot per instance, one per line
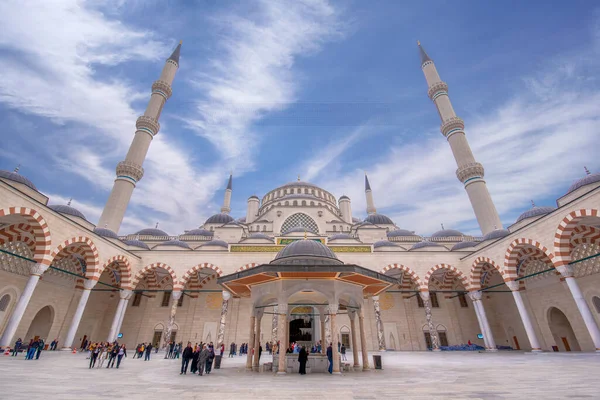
(346, 340)
(156, 338)
(41, 324)
(562, 332)
(443, 338)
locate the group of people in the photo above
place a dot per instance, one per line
(173, 350)
(143, 350)
(100, 352)
(200, 356)
(34, 348)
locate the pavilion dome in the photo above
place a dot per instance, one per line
(496, 234)
(198, 232)
(151, 232)
(384, 243)
(464, 245)
(220, 218)
(216, 242)
(18, 178)
(400, 232)
(447, 233)
(586, 180)
(177, 243)
(379, 219)
(136, 243)
(424, 244)
(306, 252)
(67, 210)
(535, 212)
(105, 232)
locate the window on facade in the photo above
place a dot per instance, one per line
(420, 301)
(295, 202)
(312, 191)
(334, 229)
(137, 299)
(285, 191)
(287, 203)
(312, 203)
(264, 228)
(463, 300)
(303, 202)
(595, 300)
(4, 302)
(305, 191)
(165, 299)
(443, 338)
(300, 220)
(434, 300)
(180, 301)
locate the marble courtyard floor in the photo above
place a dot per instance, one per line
(415, 375)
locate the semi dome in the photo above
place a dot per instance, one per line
(136, 243)
(216, 242)
(306, 252)
(496, 234)
(151, 232)
(339, 236)
(177, 243)
(535, 212)
(198, 232)
(447, 233)
(18, 178)
(586, 180)
(220, 218)
(67, 210)
(379, 219)
(384, 243)
(258, 235)
(401, 232)
(423, 244)
(464, 245)
(298, 229)
(104, 232)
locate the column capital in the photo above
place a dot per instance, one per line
(566, 271)
(282, 309)
(126, 294)
(513, 285)
(38, 269)
(332, 309)
(475, 295)
(424, 295)
(176, 294)
(375, 298)
(89, 284)
(352, 313)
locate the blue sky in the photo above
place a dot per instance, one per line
(326, 90)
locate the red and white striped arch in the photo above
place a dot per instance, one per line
(82, 245)
(247, 266)
(566, 228)
(121, 263)
(478, 268)
(410, 279)
(193, 270)
(151, 268)
(39, 228)
(457, 274)
(516, 250)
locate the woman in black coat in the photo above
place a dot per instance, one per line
(195, 356)
(302, 359)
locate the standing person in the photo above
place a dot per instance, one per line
(31, 349)
(222, 349)
(330, 358)
(195, 355)
(171, 348)
(113, 355)
(122, 352)
(188, 353)
(209, 360)
(343, 352)
(17, 348)
(84, 345)
(231, 349)
(148, 350)
(94, 355)
(259, 351)
(102, 355)
(202, 359)
(40, 347)
(302, 359)
(178, 350)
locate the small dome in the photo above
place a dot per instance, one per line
(447, 233)
(67, 210)
(384, 243)
(535, 212)
(339, 236)
(221, 218)
(379, 219)
(16, 177)
(104, 232)
(306, 252)
(401, 232)
(216, 242)
(496, 234)
(258, 235)
(151, 232)
(198, 232)
(464, 245)
(355, 220)
(423, 244)
(177, 243)
(586, 180)
(136, 243)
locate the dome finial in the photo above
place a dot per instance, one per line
(532, 203)
(587, 171)
(442, 226)
(105, 226)
(19, 166)
(156, 227)
(298, 178)
(305, 234)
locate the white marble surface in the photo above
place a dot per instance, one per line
(416, 375)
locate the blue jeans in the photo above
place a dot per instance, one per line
(30, 353)
(330, 369)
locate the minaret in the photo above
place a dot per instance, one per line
(226, 209)
(369, 194)
(469, 171)
(130, 171)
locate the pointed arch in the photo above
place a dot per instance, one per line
(479, 266)
(409, 278)
(18, 233)
(39, 228)
(562, 237)
(517, 249)
(81, 245)
(461, 277)
(185, 278)
(247, 266)
(124, 268)
(152, 267)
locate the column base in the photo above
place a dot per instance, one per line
(66, 349)
(491, 350)
(536, 350)
(255, 368)
(366, 369)
(281, 373)
(336, 373)
(436, 350)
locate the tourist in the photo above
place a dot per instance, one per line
(40, 347)
(343, 353)
(188, 354)
(330, 358)
(95, 348)
(122, 352)
(195, 355)
(102, 355)
(259, 351)
(84, 345)
(209, 360)
(319, 348)
(113, 355)
(31, 349)
(339, 347)
(17, 348)
(231, 349)
(148, 350)
(202, 358)
(222, 349)
(170, 348)
(302, 359)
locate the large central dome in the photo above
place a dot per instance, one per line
(306, 252)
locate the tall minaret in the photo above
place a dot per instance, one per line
(469, 171)
(226, 209)
(130, 171)
(369, 194)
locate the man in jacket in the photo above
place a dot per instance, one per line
(330, 358)
(204, 354)
(17, 348)
(188, 353)
(40, 347)
(148, 350)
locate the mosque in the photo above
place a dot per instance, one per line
(301, 267)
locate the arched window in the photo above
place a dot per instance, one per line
(595, 301)
(4, 302)
(264, 228)
(250, 228)
(212, 228)
(334, 229)
(300, 220)
(305, 191)
(257, 228)
(287, 203)
(303, 202)
(434, 300)
(341, 228)
(295, 202)
(312, 191)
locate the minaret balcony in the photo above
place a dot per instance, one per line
(162, 88)
(469, 171)
(451, 124)
(131, 170)
(437, 88)
(147, 124)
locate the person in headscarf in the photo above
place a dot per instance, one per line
(204, 354)
(302, 359)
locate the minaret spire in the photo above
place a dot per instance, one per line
(226, 209)
(469, 171)
(369, 194)
(130, 171)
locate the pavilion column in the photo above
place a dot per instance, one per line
(250, 341)
(127, 294)
(379, 324)
(533, 340)
(88, 285)
(176, 294)
(333, 309)
(363, 339)
(282, 322)
(567, 272)
(224, 306)
(274, 325)
(36, 270)
(484, 325)
(323, 342)
(256, 363)
(435, 342)
(352, 315)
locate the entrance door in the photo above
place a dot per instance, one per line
(83, 340)
(566, 344)
(173, 336)
(156, 338)
(41, 324)
(517, 347)
(561, 329)
(427, 340)
(346, 340)
(443, 339)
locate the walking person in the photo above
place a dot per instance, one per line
(209, 360)
(17, 348)
(343, 352)
(122, 352)
(94, 355)
(31, 349)
(302, 359)
(330, 358)
(202, 359)
(113, 355)
(148, 350)
(40, 347)
(188, 353)
(231, 350)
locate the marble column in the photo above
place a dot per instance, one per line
(88, 285)
(352, 315)
(328, 339)
(533, 340)
(379, 324)
(176, 294)
(567, 272)
(250, 342)
(333, 309)
(256, 363)
(282, 321)
(35, 270)
(224, 305)
(323, 338)
(274, 325)
(363, 339)
(488, 338)
(127, 294)
(435, 341)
